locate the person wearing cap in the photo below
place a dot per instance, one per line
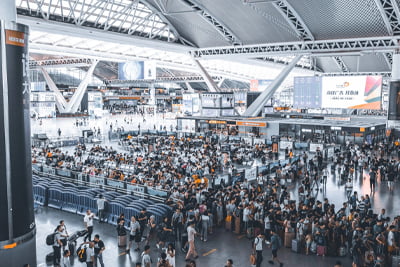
(191, 234)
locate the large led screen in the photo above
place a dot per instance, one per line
(350, 92)
(356, 92)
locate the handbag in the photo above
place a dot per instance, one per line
(228, 218)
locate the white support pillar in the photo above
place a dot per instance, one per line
(60, 100)
(259, 103)
(212, 86)
(189, 87)
(221, 82)
(73, 105)
(8, 11)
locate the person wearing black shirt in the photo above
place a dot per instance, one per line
(98, 250)
(372, 180)
(143, 218)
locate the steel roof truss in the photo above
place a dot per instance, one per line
(375, 44)
(294, 20)
(390, 15)
(218, 25)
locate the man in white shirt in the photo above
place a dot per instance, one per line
(134, 235)
(258, 247)
(88, 222)
(146, 260)
(100, 207)
(90, 255)
(191, 234)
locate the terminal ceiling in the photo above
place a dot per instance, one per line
(179, 26)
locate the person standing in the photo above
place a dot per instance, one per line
(205, 221)
(88, 222)
(276, 244)
(100, 207)
(146, 260)
(142, 219)
(57, 246)
(372, 180)
(59, 132)
(134, 235)
(63, 234)
(191, 234)
(90, 255)
(171, 254)
(177, 223)
(258, 248)
(99, 247)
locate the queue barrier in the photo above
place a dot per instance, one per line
(101, 182)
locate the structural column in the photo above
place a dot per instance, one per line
(17, 223)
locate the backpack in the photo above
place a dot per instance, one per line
(81, 252)
(50, 239)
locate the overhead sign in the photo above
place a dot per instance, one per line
(251, 123)
(307, 92)
(216, 122)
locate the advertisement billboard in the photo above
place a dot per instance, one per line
(133, 70)
(259, 85)
(356, 92)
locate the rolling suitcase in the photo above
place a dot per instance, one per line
(228, 223)
(237, 225)
(296, 245)
(321, 250)
(82, 233)
(50, 257)
(122, 240)
(313, 247)
(71, 247)
(342, 251)
(396, 261)
(288, 239)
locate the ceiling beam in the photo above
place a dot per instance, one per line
(340, 63)
(371, 44)
(37, 24)
(390, 14)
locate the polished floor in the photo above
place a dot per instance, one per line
(221, 245)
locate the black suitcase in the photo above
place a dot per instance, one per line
(50, 257)
(296, 246)
(82, 233)
(71, 247)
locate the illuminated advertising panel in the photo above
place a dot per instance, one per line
(356, 92)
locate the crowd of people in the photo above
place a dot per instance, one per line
(264, 211)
